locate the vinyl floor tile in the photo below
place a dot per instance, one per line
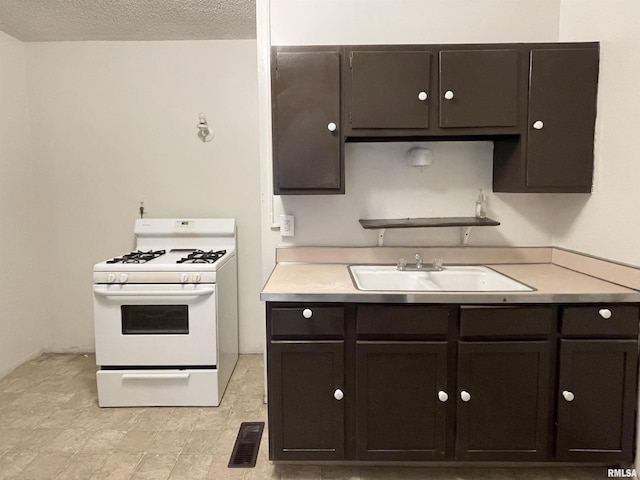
(12, 464)
(118, 466)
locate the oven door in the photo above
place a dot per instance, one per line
(155, 325)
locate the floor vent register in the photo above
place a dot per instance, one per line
(245, 450)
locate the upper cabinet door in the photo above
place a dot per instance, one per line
(307, 144)
(562, 112)
(390, 89)
(478, 88)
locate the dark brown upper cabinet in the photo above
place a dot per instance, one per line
(478, 88)
(562, 113)
(389, 90)
(307, 139)
(536, 102)
(555, 153)
(432, 91)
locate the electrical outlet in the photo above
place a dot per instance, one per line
(287, 226)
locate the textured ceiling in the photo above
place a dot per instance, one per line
(73, 20)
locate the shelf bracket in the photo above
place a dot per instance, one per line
(465, 234)
(381, 236)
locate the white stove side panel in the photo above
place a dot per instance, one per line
(227, 301)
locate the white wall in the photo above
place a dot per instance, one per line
(378, 183)
(345, 22)
(114, 123)
(21, 310)
(608, 224)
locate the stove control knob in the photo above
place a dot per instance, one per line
(184, 278)
(197, 277)
(111, 277)
(124, 277)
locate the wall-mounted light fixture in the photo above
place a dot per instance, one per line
(204, 132)
(419, 157)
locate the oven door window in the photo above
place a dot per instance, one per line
(155, 319)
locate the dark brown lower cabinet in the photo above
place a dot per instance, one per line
(306, 411)
(495, 383)
(503, 401)
(401, 410)
(597, 400)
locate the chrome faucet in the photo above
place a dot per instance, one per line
(436, 266)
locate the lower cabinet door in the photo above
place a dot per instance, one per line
(503, 401)
(401, 398)
(597, 400)
(306, 410)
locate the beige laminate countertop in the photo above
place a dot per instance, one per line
(315, 282)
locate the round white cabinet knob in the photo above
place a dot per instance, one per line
(184, 277)
(448, 95)
(465, 396)
(422, 96)
(124, 277)
(338, 395)
(605, 313)
(332, 127)
(442, 396)
(307, 313)
(538, 124)
(111, 277)
(197, 277)
(568, 396)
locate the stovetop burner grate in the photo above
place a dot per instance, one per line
(138, 256)
(200, 256)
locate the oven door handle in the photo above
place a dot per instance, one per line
(105, 292)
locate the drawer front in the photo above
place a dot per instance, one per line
(506, 321)
(602, 320)
(307, 321)
(402, 320)
(158, 388)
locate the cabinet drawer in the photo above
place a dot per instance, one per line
(602, 320)
(402, 320)
(506, 321)
(307, 321)
(151, 388)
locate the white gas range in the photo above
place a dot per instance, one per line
(166, 315)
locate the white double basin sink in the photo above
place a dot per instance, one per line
(449, 279)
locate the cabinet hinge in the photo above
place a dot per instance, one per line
(350, 121)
